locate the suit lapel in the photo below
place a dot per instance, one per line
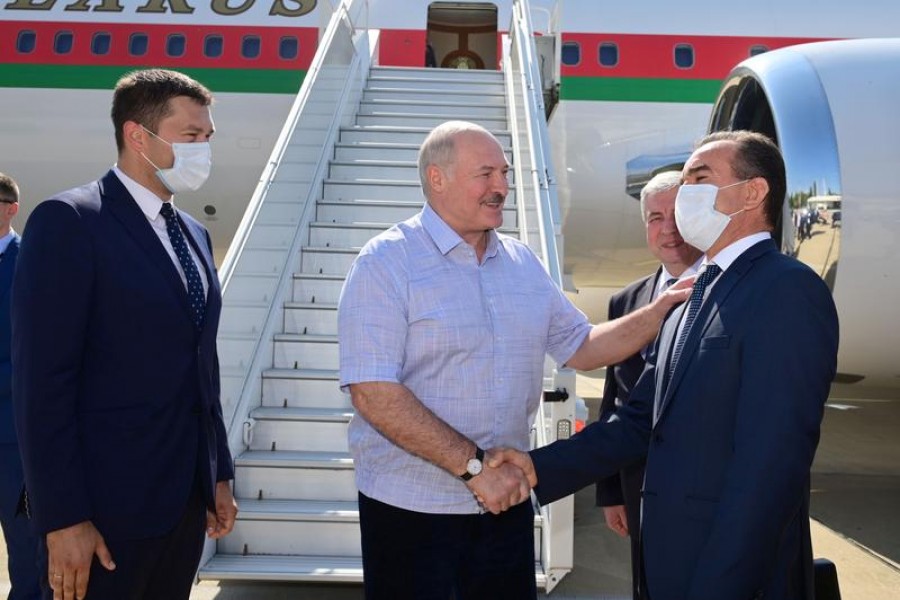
(123, 207)
(7, 265)
(708, 311)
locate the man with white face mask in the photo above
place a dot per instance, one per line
(620, 495)
(115, 311)
(729, 404)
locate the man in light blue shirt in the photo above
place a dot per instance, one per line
(443, 327)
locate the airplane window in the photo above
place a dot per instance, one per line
(684, 56)
(175, 45)
(62, 43)
(213, 46)
(100, 43)
(137, 44)
(758, 49)
(288, 48)
(26, 42)
(571, 53)
(608, 54)
(250, 46)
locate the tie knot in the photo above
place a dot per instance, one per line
(711, 272)
(167, 211)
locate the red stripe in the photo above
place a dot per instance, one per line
(653, 56)
(232, 37)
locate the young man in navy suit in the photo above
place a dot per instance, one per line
(730, 405)
(21, 544)
(620, 494)
(115, 309)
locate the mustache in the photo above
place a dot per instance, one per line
(498, 198)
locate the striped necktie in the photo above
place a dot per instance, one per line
(712, 271)
(194, 284)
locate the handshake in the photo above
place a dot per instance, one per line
(505, 481)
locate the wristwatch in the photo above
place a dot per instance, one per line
(474, 466)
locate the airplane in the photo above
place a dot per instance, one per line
(629, 87)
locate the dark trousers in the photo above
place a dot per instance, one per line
(151, 569)
(419, 556)
(21, 543)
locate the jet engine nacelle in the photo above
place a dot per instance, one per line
(832, 107)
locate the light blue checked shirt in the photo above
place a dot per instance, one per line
(468, 340)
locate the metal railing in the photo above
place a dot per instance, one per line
(327, 100)
(541, 229)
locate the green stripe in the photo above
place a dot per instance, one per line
(88, 77)
(625, 89)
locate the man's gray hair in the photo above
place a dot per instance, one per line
(660, 182)
(438, 148)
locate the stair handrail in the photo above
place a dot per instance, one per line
(264, 333)
(536, 183)
(340, 15)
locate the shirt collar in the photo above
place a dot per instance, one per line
(445, 238)
(149, 203)
(6, 239)
(665, 276)
(731, 252)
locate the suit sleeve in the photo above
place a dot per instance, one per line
(599, 450)
(51, 304)
(787, 363)
(224, 462)
(609, 489)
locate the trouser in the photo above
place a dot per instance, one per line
(409, 555)
(155, 568)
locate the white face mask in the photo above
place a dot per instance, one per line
(190, 170)
(699, 223)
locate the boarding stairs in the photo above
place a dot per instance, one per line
(323, 197)
(294, 483)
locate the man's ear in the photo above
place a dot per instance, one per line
(437, 179)
(759, 189)
(134, 136)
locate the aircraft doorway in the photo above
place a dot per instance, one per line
(462, 35)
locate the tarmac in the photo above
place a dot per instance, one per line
(855, 499)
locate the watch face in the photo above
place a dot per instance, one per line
(473, 467)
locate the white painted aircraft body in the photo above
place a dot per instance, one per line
(57, 137)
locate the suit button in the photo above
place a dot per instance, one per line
(196, 409)
(658, 438)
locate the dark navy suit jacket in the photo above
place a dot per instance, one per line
(11, 490)
(116, 392)
(624, 487)
(731, 437)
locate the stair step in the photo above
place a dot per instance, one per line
(344, 234)
(438, 85)
(318, 414)
(427, 73)
(331, 569)
(307, 351)
(315, 318)
(387, 211)
(403, 135)
(303, 388)
(313, 288)
(292, 527)
(335, 261)
(312, 569)
(300, 429)
(438, 105)
(294, 475)
(417, 94)
(429, 120)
